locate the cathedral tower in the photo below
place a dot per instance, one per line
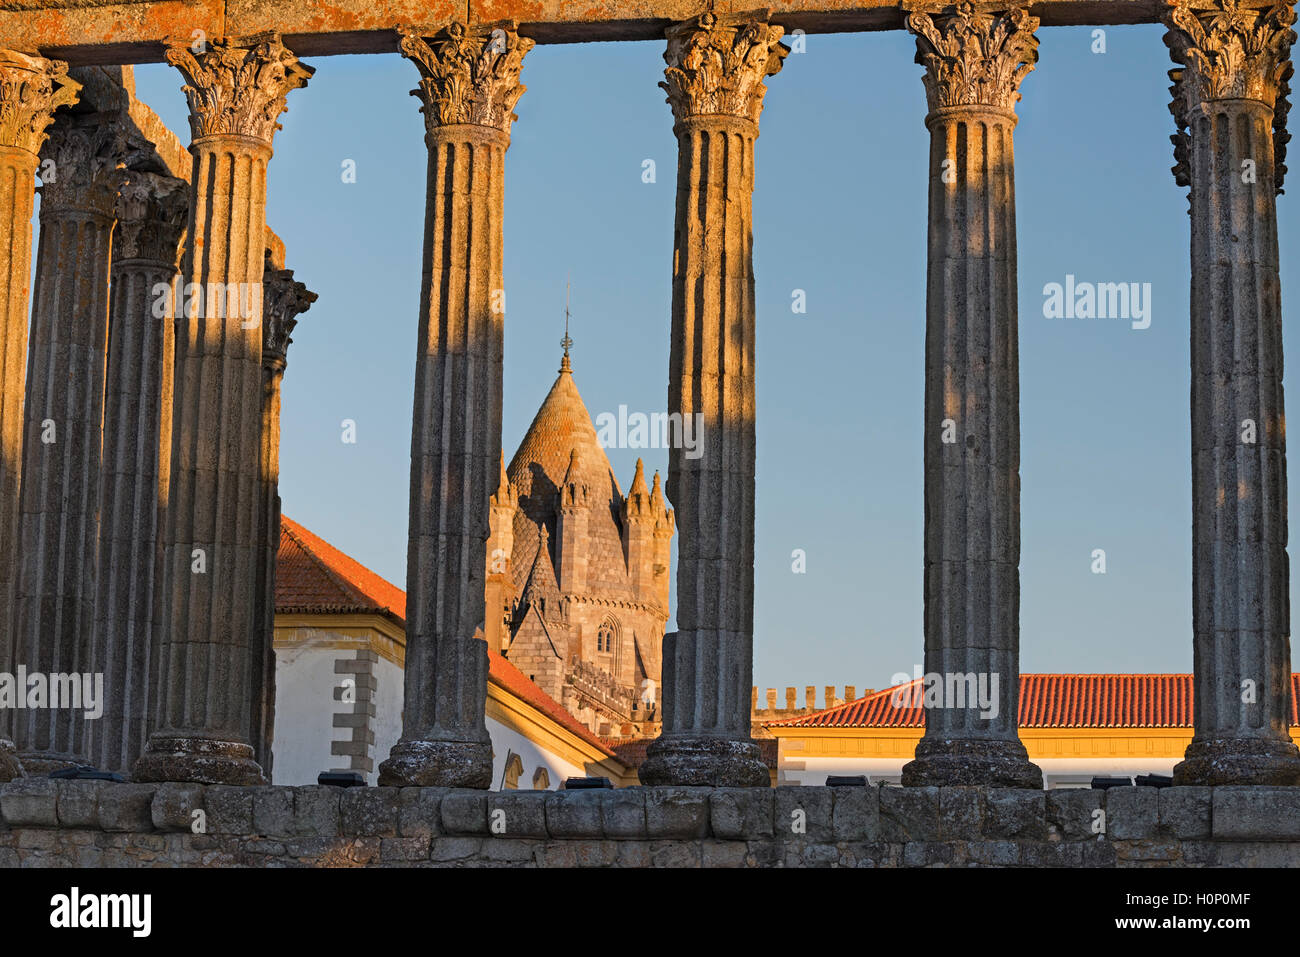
(590, 568)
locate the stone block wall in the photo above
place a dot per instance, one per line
(75, 823)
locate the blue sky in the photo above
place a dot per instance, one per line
(839, 212)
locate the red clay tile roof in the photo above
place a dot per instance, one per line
(503, 673)
(314, 577)
(1046, 701)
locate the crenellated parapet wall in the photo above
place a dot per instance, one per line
(83, 823)
(767, 709)
(594, 682)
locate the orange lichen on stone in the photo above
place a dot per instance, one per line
(134, 31)
(251, 16)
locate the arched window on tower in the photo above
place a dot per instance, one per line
(606, 643)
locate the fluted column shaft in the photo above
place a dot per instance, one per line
(972, 403)
(31, 89)
(972, 487)
(262, 684)
(283, 302)
(137, 438)
(456, 421)
(715, 82)
(212, 554)
(55, 593)
(1229, 102)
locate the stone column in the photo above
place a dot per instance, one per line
(1230, 105)
(469, 84)
(31, 89)
(283, 301)
(201, 731)
(54, 601)
(151, 214)
(716, 73)
(974, 62)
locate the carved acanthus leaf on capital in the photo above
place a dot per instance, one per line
(974, 57)
(283, 300)
(1280, 134)
(467, 77)
(31, 89)
(717, 65)
(83, 163)
(238, 87)
(1229, 52)
(152, 213)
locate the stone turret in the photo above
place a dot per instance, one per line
(605, 630)
(639, 536)
(500, 590)
(665, 526)
(571, 529)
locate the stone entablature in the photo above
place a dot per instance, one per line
(85, 823)
(100, 34)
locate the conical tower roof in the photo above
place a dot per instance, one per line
(538, 469)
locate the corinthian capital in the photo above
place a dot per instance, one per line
(467, 77)
(283, 300)
(1229, 52)
(152, 211)
(31, 89)
(238, 87)
(717, 65)
(972, 56)
(83, 163)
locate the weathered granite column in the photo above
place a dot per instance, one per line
(54, 599)
(469, 84)
(717, 66)
(1230, 105)
(974, 62)
(202, 728)
(282, 302)
(151, 213)
(31, 89)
